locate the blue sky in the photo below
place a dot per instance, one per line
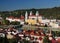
(8, 5)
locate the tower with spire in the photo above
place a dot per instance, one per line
(26, 15)
(37, 13)
(30, 13)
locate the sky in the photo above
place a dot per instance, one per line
(9, 5)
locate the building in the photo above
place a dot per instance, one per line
(33, 19)
(38, 19)
(13, 19)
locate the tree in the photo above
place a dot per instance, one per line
(15, 23)
(5, 22)
(46, 40)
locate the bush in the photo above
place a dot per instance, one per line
(5, 22)
(46, 40)
(15, 23)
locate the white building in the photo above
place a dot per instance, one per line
(54, 25)
(12, 19)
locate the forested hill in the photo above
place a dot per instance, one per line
(47, 12)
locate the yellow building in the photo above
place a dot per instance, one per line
(31, 21)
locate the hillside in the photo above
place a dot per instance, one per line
(47, 12)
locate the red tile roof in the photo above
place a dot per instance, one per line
(21, 17)
(10, 17)
(32, 15)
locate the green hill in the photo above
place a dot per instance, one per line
(46, 12)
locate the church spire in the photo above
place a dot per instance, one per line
(37, 13)
(26, 16)
(30, 13)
